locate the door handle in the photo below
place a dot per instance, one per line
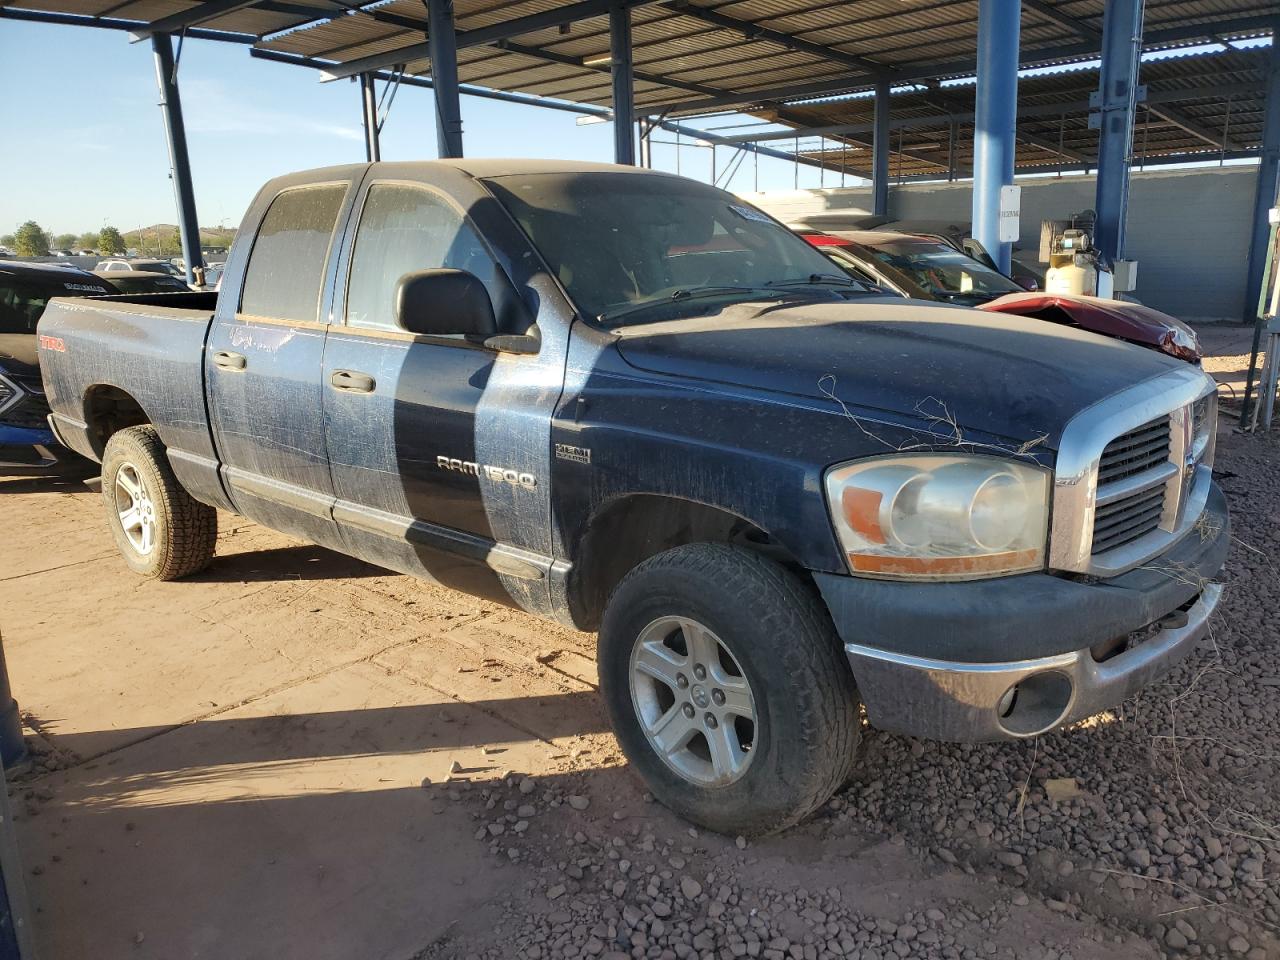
(351, 381)
(225, 360)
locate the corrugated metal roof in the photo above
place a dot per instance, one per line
(691, 53)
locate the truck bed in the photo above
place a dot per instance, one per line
(149, 347)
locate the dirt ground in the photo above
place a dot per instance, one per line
(296, 755)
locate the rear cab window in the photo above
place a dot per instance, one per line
(285, 275)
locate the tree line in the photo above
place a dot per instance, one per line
(32, 240)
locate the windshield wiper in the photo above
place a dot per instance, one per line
(677, 296)
(814, 279)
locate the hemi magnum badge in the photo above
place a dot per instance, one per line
(565, 451)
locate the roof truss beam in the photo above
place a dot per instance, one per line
(191, 18)
(1198, 130)
(481, 36)
(752, 31)
(1084, 49)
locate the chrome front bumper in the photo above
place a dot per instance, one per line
(947, 700)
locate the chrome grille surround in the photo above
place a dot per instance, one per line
(1178, 484)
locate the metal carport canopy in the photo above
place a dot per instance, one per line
(766, 57)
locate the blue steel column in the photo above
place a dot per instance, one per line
(880, 152)
(369, 105)
(179, 162)
(442, 47)
(1117, 104)
(1268, 180)
(621, 67)
(995, 120)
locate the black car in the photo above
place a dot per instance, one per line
(26, 442)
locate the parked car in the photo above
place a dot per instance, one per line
(142, 281)
(629, 402)
(924, 268)
(26, 443)
(148, 266)
(1024, 271)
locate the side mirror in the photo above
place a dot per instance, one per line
(444, 301)
(1030, 284)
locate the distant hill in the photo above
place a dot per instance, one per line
(162, 238)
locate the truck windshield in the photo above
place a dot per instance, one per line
(621, 241)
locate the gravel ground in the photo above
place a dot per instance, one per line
(1150, 830)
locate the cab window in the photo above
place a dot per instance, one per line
(286, 268)
(404, 228)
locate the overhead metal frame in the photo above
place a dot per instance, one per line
(674, 58)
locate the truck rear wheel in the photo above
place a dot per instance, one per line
(728, 688)
(161, 531)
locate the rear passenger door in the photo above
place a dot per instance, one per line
(263, 364)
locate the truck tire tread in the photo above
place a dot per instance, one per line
(190, 528)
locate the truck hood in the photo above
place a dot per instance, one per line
(1004, 375)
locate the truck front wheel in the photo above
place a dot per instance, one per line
(728, 688)
(161, 531)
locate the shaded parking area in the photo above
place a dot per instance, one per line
(295, 754)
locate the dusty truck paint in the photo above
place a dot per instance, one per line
(551, 459)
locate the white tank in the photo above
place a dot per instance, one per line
(1071, 276)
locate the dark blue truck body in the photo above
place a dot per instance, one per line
(541, 478)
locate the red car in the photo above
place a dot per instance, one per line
(925, 268)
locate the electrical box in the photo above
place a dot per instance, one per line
(1010, 214)
(1125, 276)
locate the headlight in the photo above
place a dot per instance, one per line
(940, 516)
(1204, 428)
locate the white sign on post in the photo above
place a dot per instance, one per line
(1010, 211)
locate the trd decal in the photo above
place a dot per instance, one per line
(52, 343)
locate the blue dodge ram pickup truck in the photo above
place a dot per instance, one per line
(634, 404)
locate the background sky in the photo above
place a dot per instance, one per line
(82, 140)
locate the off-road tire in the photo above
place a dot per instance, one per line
(808, 725)
(185, 529)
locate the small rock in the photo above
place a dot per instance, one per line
(741, 842)
(1238, 945)
(690, 888)
(578, 802)
(556, 892)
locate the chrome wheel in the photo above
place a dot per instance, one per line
(693, 701)
(136, 511)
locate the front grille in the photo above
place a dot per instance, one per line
(1133, 474)
(1137, 451)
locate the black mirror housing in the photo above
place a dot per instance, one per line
(1030, 284)
(444, 301)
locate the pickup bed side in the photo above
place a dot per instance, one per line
(94, 388)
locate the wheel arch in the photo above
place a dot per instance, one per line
(109, 409)
(630, 528)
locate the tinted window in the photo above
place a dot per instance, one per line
(286, 267)
(404, 228)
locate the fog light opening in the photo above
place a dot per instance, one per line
(1035, 704)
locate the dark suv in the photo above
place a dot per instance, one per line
(26, 442)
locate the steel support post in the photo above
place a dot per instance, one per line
(621, 70)
(1117, 100)
(880, 151)
(1268, 186)
(995, 121)
(179, 161)
(369, 99)
(442, 44)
